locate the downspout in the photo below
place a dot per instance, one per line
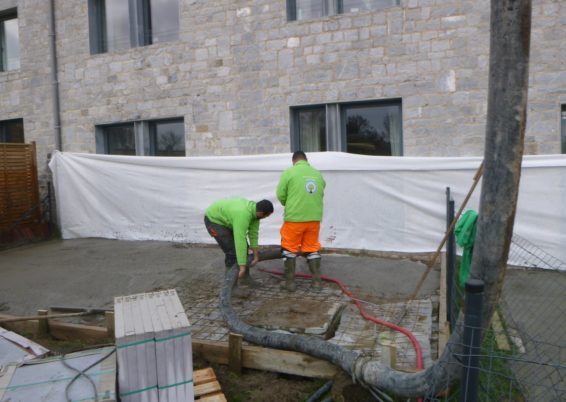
(54, 77)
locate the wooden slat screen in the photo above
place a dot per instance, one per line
(19, 191)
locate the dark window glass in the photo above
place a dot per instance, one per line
(351, 6)
(167, 138)
(9, 42)
(372, 129)
(120, 139)
(307, 9)
(312, 129)
(12, 131)
(563, 129)
(164, 20)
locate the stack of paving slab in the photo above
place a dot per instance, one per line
(153, 340)
(51, 379)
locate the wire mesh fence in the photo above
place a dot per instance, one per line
(523, 352)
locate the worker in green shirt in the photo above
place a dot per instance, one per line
(301, 192)
(232, 222)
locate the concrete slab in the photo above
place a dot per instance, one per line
(374, 340)
(47, 379)
(300, 317)
(90, 272)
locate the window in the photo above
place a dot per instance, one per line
(9, 41)
(563, 129)
(368, 128)
(12, 131)
(121, 24)
(308, 9)
(153, 138)
(119, 139)
(312, 129)
(167, 138)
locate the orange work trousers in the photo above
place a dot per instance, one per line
(300, 234)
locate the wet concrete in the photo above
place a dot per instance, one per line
(91, 272)
(304, 317)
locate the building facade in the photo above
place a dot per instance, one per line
(201, 77)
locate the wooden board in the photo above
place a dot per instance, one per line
(443, 324)
(18, 185)
(207, 388)
(254, 357)
(279, 361)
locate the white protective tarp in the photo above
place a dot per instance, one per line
(373, 203)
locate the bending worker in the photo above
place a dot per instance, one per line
(301, 192)
(232, 221)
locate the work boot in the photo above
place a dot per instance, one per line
(247, 280)
(289, 284)
(314, 267)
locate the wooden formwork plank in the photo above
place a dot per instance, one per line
(259, 358)
(254, 357)
(213, 398)
(207, 388)
(203, 376)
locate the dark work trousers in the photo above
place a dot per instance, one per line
(225, 239)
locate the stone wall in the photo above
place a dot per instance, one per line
(239, 65)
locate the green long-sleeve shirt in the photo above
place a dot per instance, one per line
(239, 215)
(301, 192)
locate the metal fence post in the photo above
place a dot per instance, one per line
(472, 340)
(450, 261)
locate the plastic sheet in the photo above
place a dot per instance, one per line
(373, 203)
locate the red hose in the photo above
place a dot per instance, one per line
(364, 314)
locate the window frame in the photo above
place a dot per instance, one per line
(3, 130)
(563, 128)
(152, 134)
(329, 8)
(8, 15)
(383, 102)
(295, 129)
(140, 25)
(142, 135)
(336, 133)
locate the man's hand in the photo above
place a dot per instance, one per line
(242, 271)
(256, 257)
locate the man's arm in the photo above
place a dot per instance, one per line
(240, 230)
(282, 189)
(253, 233)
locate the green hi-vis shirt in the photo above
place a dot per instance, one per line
(239, 215)
(301, 191)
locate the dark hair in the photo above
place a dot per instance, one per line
(299, 156)
(264, 206)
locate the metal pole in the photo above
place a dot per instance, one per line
(450, 260)
(54, 76)
(472, 340)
